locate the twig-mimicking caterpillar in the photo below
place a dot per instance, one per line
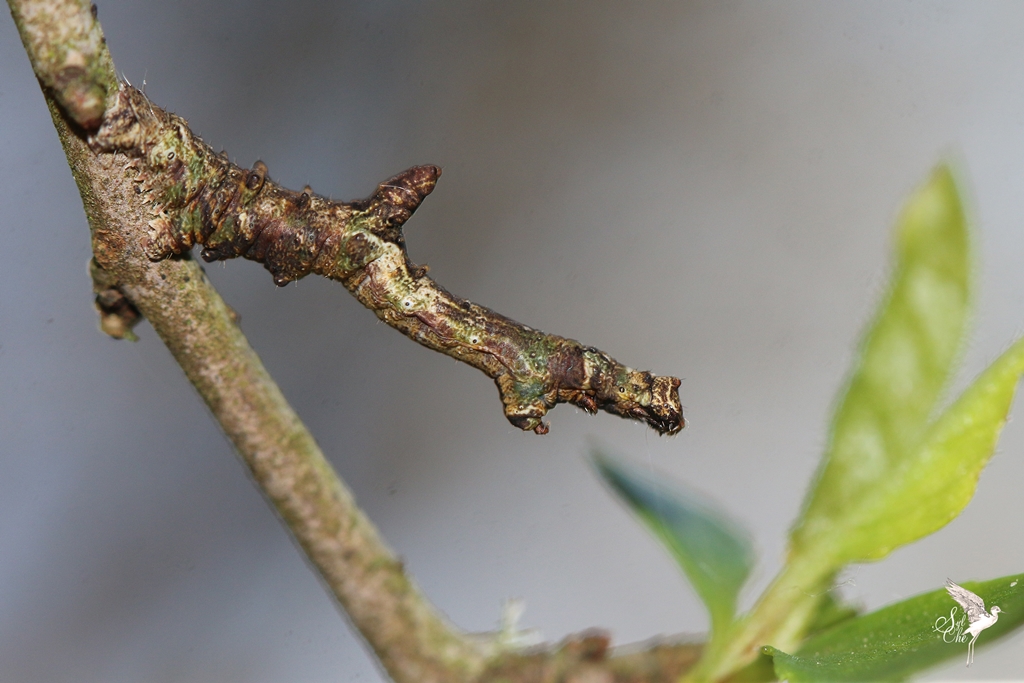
(199, 197)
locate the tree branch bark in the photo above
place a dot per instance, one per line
(413, 642)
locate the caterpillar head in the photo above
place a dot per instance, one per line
(643, 396)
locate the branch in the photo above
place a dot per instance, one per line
(69, 55)
(586, 658)
(412, 640)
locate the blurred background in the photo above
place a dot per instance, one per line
(702, 189)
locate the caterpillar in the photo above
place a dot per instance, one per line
(197, 197)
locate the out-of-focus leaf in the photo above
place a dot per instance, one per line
(761, 670)
(901, 639)
(930, 487)
(714, 552)
(905, 360)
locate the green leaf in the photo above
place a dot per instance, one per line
(714, 552)
(829, 613)
(929, 488)
(900, 639)
(905, 360)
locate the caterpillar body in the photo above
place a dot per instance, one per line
(197, 197)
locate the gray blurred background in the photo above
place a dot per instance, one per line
(704, 189)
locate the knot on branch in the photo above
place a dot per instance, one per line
(78, 92)
(118, 315)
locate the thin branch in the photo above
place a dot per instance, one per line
(586, 658)
(69, 55)
(413, 642)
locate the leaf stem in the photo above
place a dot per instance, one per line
(780, 618)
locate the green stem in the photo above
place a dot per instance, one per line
(780, 618)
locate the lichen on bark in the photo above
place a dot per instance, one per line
(198, 197)
(69, 56)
